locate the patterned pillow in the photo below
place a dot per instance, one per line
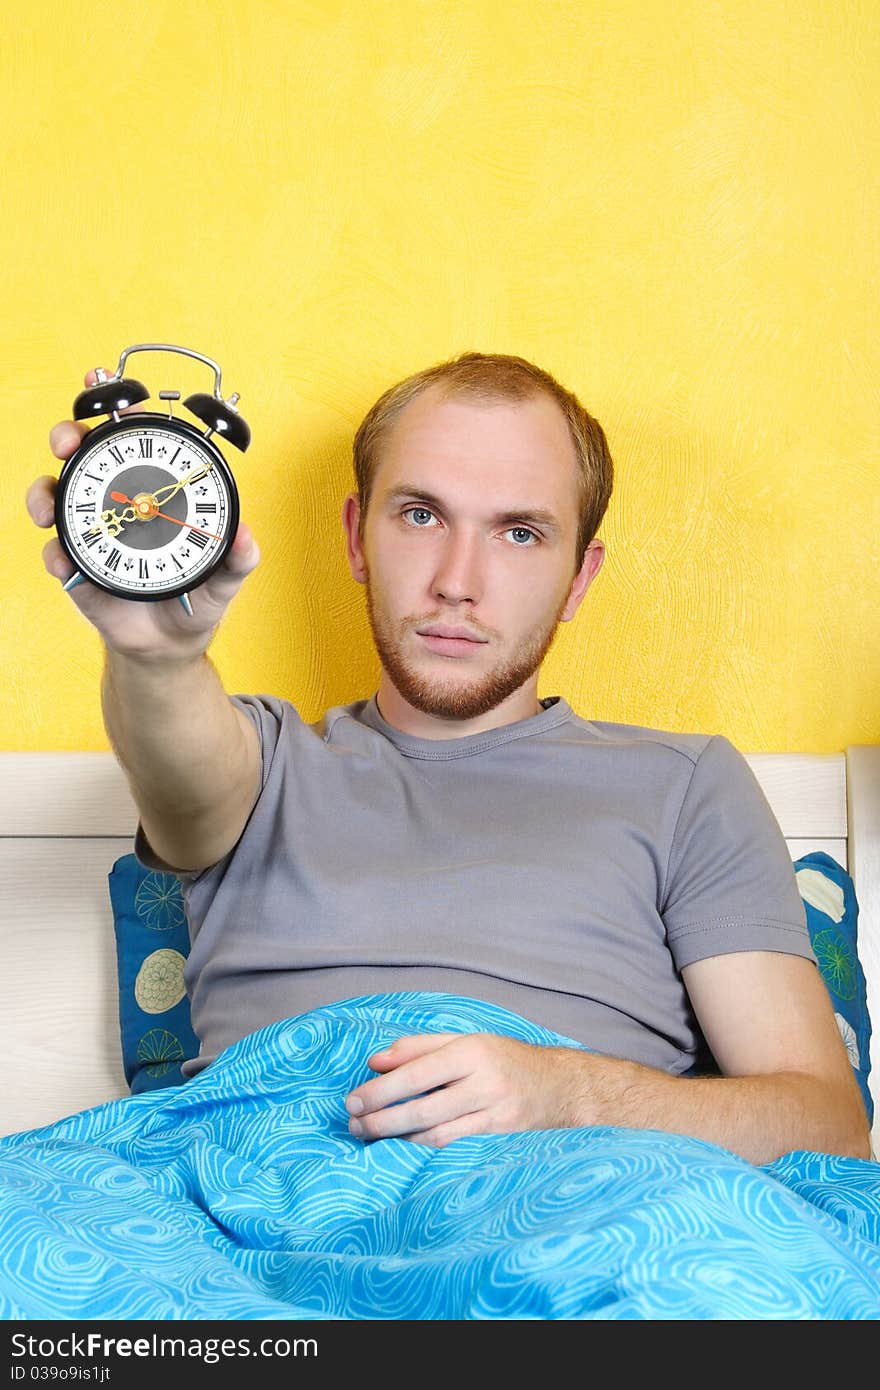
(152, 943)
(833, 917)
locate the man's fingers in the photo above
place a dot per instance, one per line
(414, 1077)
(459, 1128)
(66, 437)
(244, 554)
(407, 1048)
(40, 500)
(241, 559)
(424, 1113)
(56, 561)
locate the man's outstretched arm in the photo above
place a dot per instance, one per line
(191, 757)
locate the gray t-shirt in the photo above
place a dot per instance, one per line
(562, 868)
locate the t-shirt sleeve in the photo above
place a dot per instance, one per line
(267, 713)
(730, 883)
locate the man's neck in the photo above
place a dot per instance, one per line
(404, 717)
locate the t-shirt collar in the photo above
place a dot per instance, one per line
(554, 710)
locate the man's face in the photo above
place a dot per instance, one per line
(468, 552)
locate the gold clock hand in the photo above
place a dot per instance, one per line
(164, 494)
(112, 523)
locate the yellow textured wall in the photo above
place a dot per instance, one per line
(671, 204)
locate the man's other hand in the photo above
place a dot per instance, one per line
(437, 1087)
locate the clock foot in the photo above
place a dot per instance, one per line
(75, 578)
(184, 599)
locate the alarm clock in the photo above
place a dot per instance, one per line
(147, 507)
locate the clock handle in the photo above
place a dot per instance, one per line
(170, 347)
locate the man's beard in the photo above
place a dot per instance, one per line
(455, 699)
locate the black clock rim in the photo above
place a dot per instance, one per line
(174, 426)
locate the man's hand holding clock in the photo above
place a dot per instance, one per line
(158, 629)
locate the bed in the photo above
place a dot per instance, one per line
(297, 1249)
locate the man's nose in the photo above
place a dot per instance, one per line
(458, 577)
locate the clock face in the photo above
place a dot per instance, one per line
(147, 507)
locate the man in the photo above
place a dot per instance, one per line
(626, 887)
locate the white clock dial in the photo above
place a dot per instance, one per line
(147, 510)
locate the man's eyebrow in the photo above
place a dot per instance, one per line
(537, 516)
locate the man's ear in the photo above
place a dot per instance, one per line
(351, 521)
(593, 558)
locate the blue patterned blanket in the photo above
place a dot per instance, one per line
(241, 1195)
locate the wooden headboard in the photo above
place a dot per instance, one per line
(65, 818)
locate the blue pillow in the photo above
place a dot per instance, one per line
(833, 917)
(152, 944)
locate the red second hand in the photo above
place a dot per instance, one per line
(121, 497)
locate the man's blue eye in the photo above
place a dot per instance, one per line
(522, 535)
(419, 515)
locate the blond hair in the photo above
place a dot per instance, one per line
(495, 376)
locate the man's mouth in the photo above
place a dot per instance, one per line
(448, 640)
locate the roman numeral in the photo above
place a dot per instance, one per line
(177, 562)
(209, 508)
(113, 559)
(117, 453)
(198, 538)
(145, 447)
(143, 570)
(91, 536)
(85, 506)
